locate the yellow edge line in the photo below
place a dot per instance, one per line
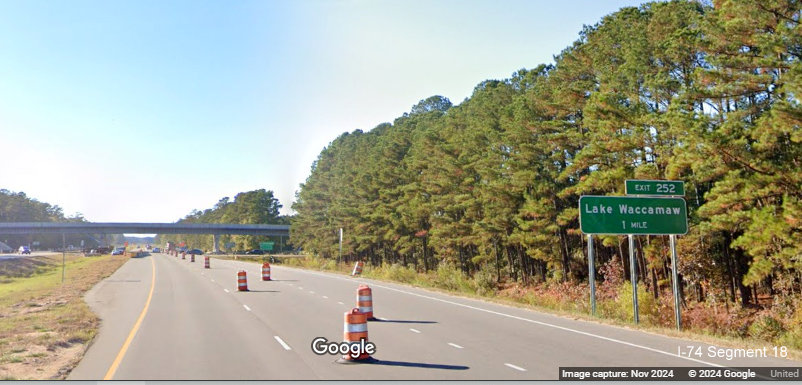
(121, 354)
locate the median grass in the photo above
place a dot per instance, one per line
(45, 325)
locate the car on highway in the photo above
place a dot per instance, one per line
(156, 250)
(118, 251)
(24, 250)
(195, 252)
(255, 252)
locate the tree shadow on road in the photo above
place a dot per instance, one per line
(417, 365)
(399, 321)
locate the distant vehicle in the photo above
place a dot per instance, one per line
(24, 250)
(118, 251)
(255, 252)
(156, 250)
(195, 252)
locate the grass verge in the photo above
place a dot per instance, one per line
(45, 325)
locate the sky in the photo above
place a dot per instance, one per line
(141, 111)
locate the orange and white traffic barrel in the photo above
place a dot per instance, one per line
(357, 268)
(183, 255)
(364, 300)
(265, 271)
(192, 257)
(242, 281)
(205, 262)
(355, 329)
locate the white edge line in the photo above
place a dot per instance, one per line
(530, 320)
(414, 330)
(515, 367)
(455, 345)
(284, 344)
(246, 307)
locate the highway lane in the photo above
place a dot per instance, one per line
(199, 327)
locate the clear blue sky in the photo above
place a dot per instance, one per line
(144, 110)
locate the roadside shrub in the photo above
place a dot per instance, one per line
(621, 307)
(451, 278)
(485, 281)
(766, 328)
(399, 273)
(328, 265)
(792, 338)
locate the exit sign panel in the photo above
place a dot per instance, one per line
(655, 187)
(632, 215)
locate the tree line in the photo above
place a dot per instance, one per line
(18, 207)
(250, 207)
(705, 93)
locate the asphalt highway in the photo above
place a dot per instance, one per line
(164, 318)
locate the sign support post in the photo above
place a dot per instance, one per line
(633, 275)
(591, 276)
(675, 279)
(63, 255)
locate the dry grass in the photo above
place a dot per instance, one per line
(45, 325)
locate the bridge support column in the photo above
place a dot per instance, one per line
(216, 243)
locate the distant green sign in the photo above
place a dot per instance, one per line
(632, 215)
(266, 246)
(655, 187)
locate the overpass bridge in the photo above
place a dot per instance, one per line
(216, 229)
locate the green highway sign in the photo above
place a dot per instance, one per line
(632, 215)
(266, 246)
(655, 187)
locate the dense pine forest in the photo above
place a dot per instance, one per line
(705, 93)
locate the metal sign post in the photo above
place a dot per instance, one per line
(341, 245)
(633, 275)
(591, 276)
(63, 255)
(675, 280)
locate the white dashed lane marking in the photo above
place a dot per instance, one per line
(284, 344)
(518, 368)
(414, 330)
(455, 345)
(246, 307)
(226, 290)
